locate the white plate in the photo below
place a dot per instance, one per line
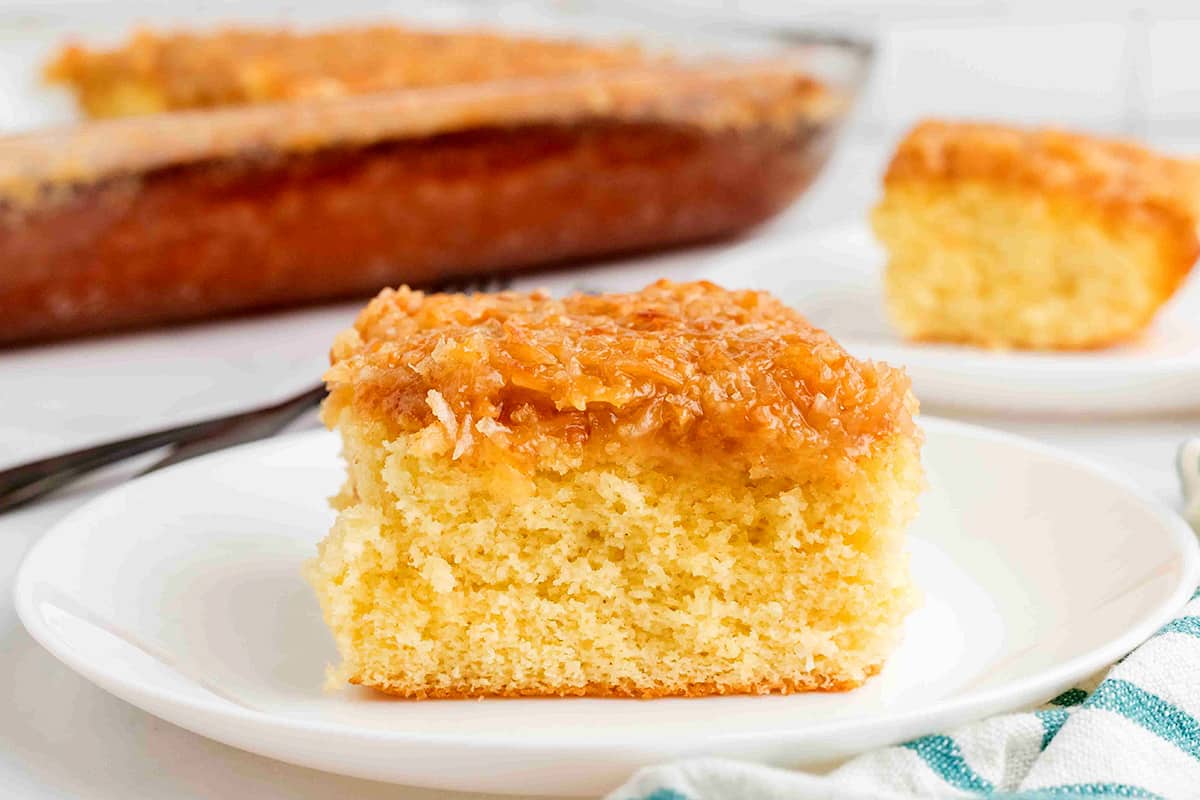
(181, 593)
(833, 277)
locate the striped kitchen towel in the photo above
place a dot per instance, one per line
(1133, 732)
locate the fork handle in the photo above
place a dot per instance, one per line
(26, 482)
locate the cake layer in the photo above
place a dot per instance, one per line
(616, 577)
(1000, 267)
(697, 370)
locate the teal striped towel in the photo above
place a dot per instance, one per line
(1133, 732)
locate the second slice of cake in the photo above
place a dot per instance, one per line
(1041, 239)
(680, 491)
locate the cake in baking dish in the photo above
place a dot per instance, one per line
(1038, 239)
(162, 71)
(299, 168)
(679, 491)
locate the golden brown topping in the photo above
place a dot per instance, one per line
(240, 66)
(1105, 171)
(730, 373)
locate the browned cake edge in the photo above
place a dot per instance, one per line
(703, 689)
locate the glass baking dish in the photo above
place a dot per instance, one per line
(195, 213)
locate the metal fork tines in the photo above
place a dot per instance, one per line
(27, 482)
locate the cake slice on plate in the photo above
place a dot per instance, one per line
(1038, 239)
(679, 491)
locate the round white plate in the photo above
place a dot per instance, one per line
(833, 277)
(181, 593)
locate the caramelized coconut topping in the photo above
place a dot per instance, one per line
(1104, 171)
(246, 65)
(734, 374)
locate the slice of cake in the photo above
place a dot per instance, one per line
(680, 491)
(161, 71)
(1003, 237)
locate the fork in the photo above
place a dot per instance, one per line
(25, 483)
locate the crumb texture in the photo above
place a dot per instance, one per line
(1032, 239)
(614, 579)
